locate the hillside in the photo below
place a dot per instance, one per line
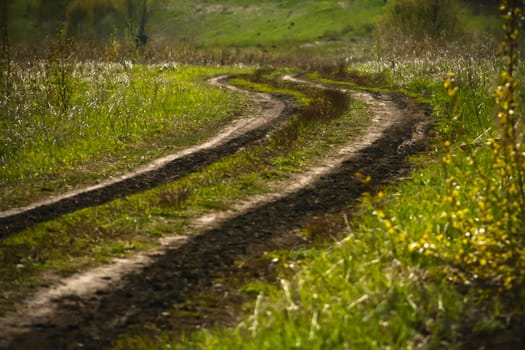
(268, 25)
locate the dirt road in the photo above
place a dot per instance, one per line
(90, 310)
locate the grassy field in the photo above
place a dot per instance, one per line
(86, 122)
(421, 264)
(387, 284)
(435, 261)
(121, 227)
(428, 263)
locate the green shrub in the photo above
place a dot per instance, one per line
(418, 26)
(423, 18)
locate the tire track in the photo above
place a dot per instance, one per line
(150, 285)
(263, 115)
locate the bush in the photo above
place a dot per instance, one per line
(481, 240)
(423, 18)
(413, 26)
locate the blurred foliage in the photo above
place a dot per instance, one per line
(93, 20)
(423, 18)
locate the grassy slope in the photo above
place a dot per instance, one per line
(278, 26)
(266, 23)
(236, 23)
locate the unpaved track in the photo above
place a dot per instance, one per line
(148, 286)
(264, 113)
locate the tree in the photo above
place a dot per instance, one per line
(91, 19)
(52, 10)
(135, 15)
(142, 38)
(5, 60)
(4, 37)
(98, 19)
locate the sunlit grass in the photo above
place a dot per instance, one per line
(115, 113)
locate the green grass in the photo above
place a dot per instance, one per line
(360, 295)
(381, 286)
(267, 23)
(114, 115)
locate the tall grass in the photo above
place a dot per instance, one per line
(63, 115)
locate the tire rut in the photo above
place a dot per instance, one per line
(189, 267)
(265, 113)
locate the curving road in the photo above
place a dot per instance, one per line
(90, 310)
(264, 113)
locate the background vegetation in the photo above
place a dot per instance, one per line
(342, 28)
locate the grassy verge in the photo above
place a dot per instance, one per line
(73, 125)
(95, 235)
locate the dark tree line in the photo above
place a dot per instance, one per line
(100, 18)
(92, 20)
(4, 54)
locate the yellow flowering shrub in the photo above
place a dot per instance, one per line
(483, 243)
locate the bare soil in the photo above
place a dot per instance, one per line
(192, 282)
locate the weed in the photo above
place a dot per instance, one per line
(59, 72)
(171, 198)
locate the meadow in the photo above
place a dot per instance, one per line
(434, 260)
(67, 124)
(424, 263)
